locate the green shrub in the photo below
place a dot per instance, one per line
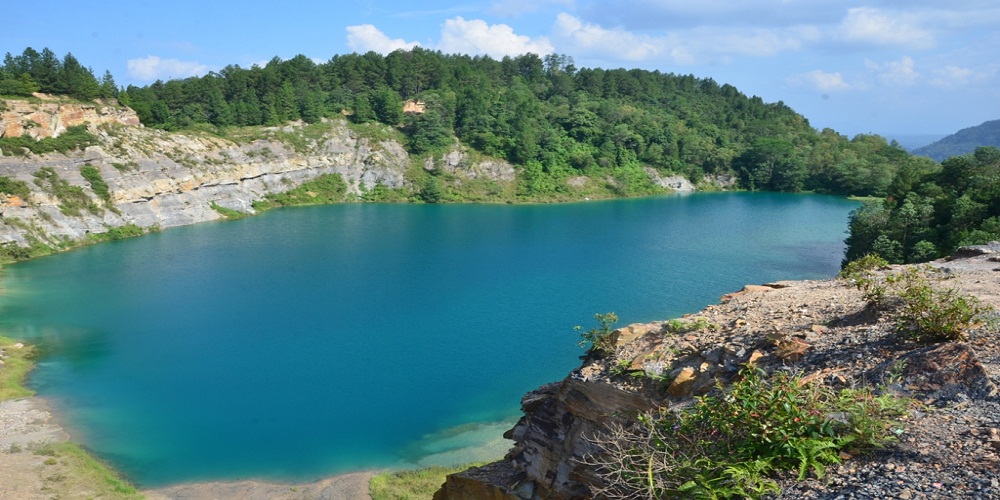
(863, 274)
(728, 445)
(97, 184)
(14, 187)
(228, 213)
(324, 189)
(73, 138)
(117, 233)
(10, 251)
(599, 340)
(72, 199)
(921, 311)
(932, 315)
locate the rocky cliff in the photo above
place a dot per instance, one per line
(820, 329)
(48, 117)
(157, 179)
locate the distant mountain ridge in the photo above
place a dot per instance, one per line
(963, 142)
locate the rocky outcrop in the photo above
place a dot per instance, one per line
(458, 163)
(160, 179)
(677, 183)
(50, 117)
(818, 329)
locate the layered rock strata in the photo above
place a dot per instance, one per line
(158, 179)
(49, 118)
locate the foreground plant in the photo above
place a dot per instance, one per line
(922, 310)
(728, 445)
(599, 340)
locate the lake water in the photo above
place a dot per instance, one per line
(313, 341)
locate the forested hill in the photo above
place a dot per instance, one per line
(963, 142)
(554, 121)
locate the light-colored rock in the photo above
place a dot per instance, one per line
(51, 118)
(158, 179)
(677, 183)
(683, 384)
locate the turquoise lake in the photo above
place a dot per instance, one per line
(313, 341)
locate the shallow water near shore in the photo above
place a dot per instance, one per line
(320, 340)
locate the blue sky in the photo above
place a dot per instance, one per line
(889, 67)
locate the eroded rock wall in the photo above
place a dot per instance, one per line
(160, 179)
(39, 120)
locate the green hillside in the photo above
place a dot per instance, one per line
(963, 142)
(550, 119)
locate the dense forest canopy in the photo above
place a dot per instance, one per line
(543, 114)
(930, 214)
(34, 71)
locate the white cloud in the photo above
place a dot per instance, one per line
(707, 44)
(956, 76)
(899, 72)
(591, 38)
(365, 37)
(874, 26)
(152, 68)
(497, 40)
(821, 80)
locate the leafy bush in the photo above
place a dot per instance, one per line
(727, 445)
(14, 187)
(117, 233)
(863, 274)
(921, 311)
(10, 251)
(931, 315)
(599, 340)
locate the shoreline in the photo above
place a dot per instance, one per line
(27, 424)
(40, 460)
(349, 486)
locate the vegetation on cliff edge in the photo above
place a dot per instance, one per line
(930, 212)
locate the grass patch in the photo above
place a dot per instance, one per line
(81, 472)
(97, 184)
(416, 484)
(116, 233)
(14, 187)
(17, 363)
(72, 139)
(228, 213)
(129, 166)
(72, 199)
(377, 132)
(327, 188)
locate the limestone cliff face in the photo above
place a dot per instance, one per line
(49, 119)
(160, 179)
